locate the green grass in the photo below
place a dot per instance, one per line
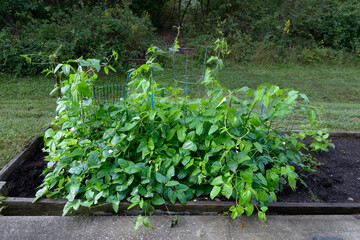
(26, 107)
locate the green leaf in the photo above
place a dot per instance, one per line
(217, 181)
(185, 160)
(67, 207)
(74, 188)
(215, 191)
(157, 200)
(227, 190)
(181, 133)
(49, 133)
(189, 145)
(151, 144)
(312, 115)
(199, 128)
(170, 134)
(245, 196)
(145, 221)
(152, 115)
(83, 88)
(181, 188)
(40, 193)
(172, 196)
(304, 97)
(273, 196)
(95, 63)
(93, 160)
(249, 209)
(138, 222)
(259, 147)
(170, 172)
(161, 178)
(213, 129)
(262, 216)
(181, 196)
(172, 183)
(292, 182)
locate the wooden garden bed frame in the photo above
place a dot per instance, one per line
(16, 206)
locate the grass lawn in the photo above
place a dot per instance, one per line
(26, 107)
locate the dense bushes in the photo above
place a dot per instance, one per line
(265, 31)
(80, 32)
(256, 29)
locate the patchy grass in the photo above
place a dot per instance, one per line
(26, 107)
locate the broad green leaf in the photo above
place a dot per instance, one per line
(83, 88)
(172, 196)
(67, 207)
(161, 178)
(292, 182)
(199, 128)
(170, 172)
(227, 190)
(170, 134)
(74, 188)
(152, 115)
(262, 216)
(215, 191)
(157, 200)
(245, 196)
(273, 196)
(93, 160)
(249, 209)
(40, 193)
(95, 63)
(151, 144)
(213, 129)
(49, 133)
(138, 222)
(181, 187)
(217, 181)
(312, 115)
(259, 147)
(182, 197)
(172, 183)
(189, 145)
(145, 221)
(181, 133)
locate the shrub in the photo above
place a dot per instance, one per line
(81, 32)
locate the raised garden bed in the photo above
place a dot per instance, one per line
(334, 189)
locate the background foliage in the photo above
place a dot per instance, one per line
(266, 31)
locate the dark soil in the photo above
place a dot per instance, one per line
(25, 179)
(337, 179)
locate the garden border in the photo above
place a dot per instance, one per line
(16, 206)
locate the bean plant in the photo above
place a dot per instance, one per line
(156, 148)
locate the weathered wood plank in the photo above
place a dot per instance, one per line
(4, 191)
(50, 207)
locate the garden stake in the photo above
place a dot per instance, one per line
(262, 105)
(127, 81)
(152, 98)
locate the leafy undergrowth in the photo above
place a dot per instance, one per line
(154, 146)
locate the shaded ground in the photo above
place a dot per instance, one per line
(337, 179)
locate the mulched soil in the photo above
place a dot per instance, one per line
(337, 179)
